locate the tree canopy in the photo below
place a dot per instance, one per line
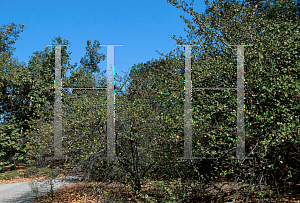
(149, 114)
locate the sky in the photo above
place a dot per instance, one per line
(140, 26)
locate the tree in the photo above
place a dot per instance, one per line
(238, 26)
(89, 65)
(131, 139)
(81, 78)
(287, 8)
(6, 50)
(10, 138)
(25, 92)
(148, 88)
(150, 114)
(233, 27)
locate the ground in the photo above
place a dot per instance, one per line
(84, 191)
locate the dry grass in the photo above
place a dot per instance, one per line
(83, 191)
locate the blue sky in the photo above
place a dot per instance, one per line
(141, 26)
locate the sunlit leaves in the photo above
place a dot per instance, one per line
(271, 60)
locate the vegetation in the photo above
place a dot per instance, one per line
(149, 112)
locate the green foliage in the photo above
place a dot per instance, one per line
(10, 145)
(9, 175)
(275, 9)
(271, 67)
(149, 113)
(78, 104)
(25, 92)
